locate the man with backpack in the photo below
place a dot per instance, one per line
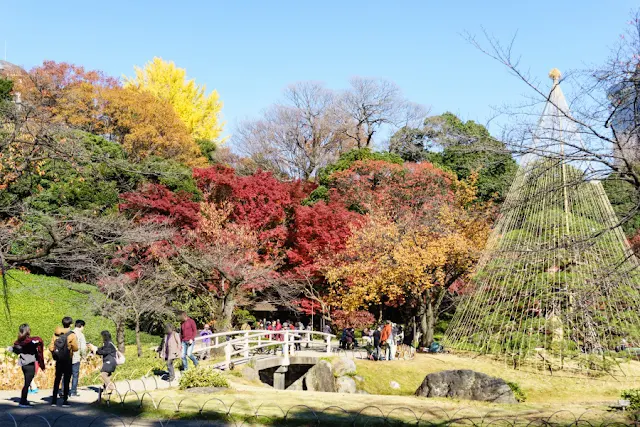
(63, 344)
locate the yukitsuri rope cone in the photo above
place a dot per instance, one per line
(557, 288)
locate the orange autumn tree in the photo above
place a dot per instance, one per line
(148, 126)
(70, 93)
(425, 237)
(142, 123)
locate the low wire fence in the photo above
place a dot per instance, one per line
(133, 409)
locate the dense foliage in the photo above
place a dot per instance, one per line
(199, 112)
(202, 376)
(462, 147)
(128, 188)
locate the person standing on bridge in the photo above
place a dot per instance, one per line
(298, 337)
(188, 331)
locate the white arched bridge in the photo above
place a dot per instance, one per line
(278, 346)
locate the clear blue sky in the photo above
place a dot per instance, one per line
(250, 50)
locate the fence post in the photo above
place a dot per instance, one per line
(246, 344)
(227, 355)
(285, 347)
(328, 344)
(217, 342)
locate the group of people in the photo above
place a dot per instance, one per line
(181, 343)
(277, 326)
(382, 340)
(68, 348)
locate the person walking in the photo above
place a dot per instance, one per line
(377, 334)
(188, 331)
(388, 340)
(206, 342)
(78, 330)
(63, 344)
(385, 335)
(171, 349)
(108, 352)
(31, 352)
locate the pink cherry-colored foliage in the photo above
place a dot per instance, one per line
(358, 319)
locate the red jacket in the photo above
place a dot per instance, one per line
(188, 330)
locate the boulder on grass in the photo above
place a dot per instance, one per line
(320, 378)
(345, 385)
(343, 366)
(250, 374)
(466, 384)
(298, 385)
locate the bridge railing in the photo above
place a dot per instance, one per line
(241, 344)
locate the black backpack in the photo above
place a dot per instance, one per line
(61, 352)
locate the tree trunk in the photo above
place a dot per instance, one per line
(138, 343)
(120, 335)
(431, 321)
(226, 315)
(427, 320)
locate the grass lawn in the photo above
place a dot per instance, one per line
(539, 388)
(341, 409)
(562, 398)
(42, 302)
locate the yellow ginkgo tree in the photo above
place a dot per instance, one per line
(199, 111)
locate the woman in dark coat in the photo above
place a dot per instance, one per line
(108, 352)
(31, 353)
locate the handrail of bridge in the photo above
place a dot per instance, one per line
(254, 339)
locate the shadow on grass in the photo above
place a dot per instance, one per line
(242, 413)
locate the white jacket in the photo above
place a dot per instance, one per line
(82, 347)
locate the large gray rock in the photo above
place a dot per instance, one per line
(343, 366)
(320, 378)
(250, 374)
(466, 384)
(298, 384)
(345, 385)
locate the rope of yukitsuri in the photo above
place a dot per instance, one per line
(557, 287)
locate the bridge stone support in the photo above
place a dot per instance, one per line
(279, 377)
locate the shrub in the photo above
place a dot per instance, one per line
(633, 396)
(519, 393)
(202, 377)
